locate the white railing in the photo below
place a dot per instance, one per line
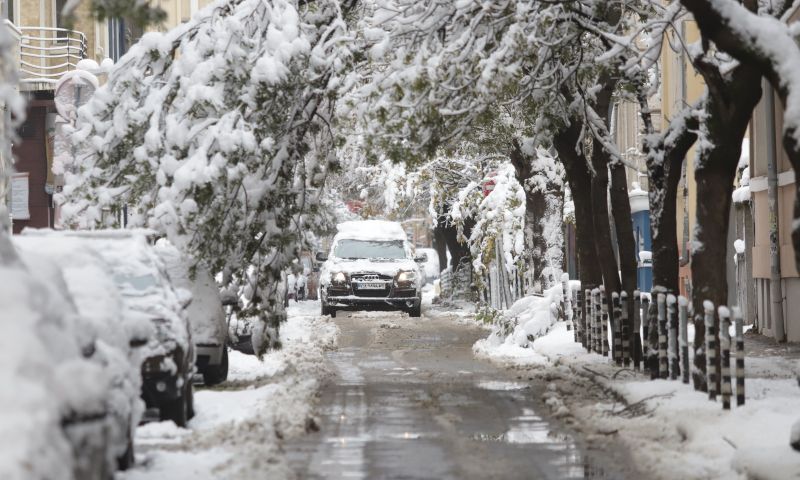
(46, 53)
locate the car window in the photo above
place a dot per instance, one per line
(138, 283)
(356, 249)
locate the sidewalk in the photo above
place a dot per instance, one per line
(671, 430)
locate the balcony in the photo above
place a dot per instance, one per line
(46, 53)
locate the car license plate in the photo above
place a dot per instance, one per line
(372, 286)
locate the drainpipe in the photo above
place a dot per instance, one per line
(775, 290)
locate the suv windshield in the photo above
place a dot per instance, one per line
(355, 249)
(135, 284)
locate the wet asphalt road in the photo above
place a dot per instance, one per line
(408, 400)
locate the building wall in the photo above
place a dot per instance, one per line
(682, 86)
(761, 216)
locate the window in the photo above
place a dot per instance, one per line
(59, 16)
(373, 249)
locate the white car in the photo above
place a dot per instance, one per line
(206, 313)
(371, 266)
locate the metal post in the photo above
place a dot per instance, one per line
(589, 320)
(711, 350)
(597, 315)
(617, 331)
(672, 336)
(725, 345)
(604, 323)
(626, 334)
(663, 368)
(683, 315)
(737, 319)
(645, 329)
(637, 324)
(775, 287)
(575, 315)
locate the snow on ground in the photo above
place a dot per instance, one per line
(239, 425)
(671, 430)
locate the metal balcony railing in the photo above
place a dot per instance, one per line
(46, 53)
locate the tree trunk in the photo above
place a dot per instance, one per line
(730, 104)
(623, 223)
(440, 245)
(579, 179)
(664, 163)
(603, 244)
(535, 207)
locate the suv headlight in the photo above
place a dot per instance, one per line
(406, 277)
(338, 278)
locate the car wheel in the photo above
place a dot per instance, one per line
(415, 311)
(190, 402)
(176, 410)
(216, 374)
(126, 460)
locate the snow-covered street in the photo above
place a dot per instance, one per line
(394, 397)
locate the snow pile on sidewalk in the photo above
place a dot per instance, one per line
(515, 329)
(238, 427)
(671, 430)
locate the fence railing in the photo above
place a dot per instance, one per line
(46, 53)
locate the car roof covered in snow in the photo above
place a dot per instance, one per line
(371, 230)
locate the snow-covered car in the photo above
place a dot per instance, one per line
(168, 354)
(54, 404)
(371, 266)
(431, 264)
(101, 319)
(206, 312)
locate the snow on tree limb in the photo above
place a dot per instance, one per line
(216, 134)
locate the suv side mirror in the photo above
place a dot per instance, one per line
(322, 257)
(137, 342)
(421, 258)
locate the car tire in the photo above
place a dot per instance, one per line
(216, 374)
(326, 310)
(126, 460)
(415, 311)
(177, 409)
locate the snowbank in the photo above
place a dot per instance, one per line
(515, 330)
(246, 418)
(677, 432)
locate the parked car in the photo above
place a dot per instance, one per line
(206, 312)
(167, 355)
(54, 406)
(431, 264)
(370, 266)
(102, 320)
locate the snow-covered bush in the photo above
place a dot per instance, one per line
(499, 217)
(218, 134)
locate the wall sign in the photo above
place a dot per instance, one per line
(19, 196)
